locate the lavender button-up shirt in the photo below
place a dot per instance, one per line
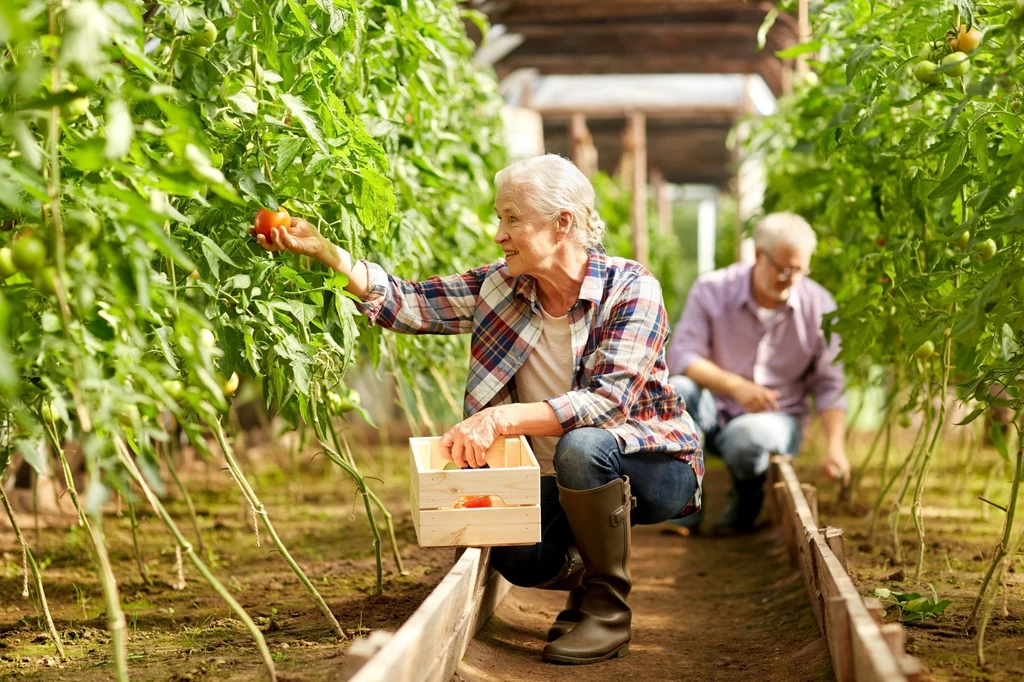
(789, 354)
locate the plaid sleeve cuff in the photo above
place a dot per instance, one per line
(565, 412)
(379, 284)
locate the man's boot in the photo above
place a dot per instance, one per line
(745, 502)
(600, 523)
(569, 578)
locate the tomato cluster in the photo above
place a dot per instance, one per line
(956, 62)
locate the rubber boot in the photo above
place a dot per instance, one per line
(569, 578)
(600, 523)
(745, 501)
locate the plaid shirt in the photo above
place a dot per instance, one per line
(618, 328)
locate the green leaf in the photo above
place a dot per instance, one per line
(952, 184)
(797, 50)
(858, 59)
(300, 14)
(766, 25)
(301, 112)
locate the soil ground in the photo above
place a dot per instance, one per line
(191, 634)
(704, 610)
(961, 533)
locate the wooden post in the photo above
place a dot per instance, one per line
(811, 495)
(837, 634)
(636, 137)
(662, 202)
(584, 153)
(804, 28)
(361, 651)
(896, 637)
(875, 608)
(834, 540)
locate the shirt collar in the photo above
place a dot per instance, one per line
(591, 290)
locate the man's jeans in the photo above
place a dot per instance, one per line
(589, 458)
(746, 441)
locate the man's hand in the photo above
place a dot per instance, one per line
(837, 467)
(756, 398)
(468, 440)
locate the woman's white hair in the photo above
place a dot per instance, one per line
(784, 228)
(552, 184)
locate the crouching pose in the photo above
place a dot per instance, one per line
(568, 349)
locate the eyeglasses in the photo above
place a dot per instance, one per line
(785, 274)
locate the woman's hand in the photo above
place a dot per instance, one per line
(302, 238)
(467, 442)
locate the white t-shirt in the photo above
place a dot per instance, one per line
(545, 374)
(766, 315)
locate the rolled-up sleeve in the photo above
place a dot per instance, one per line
(826, 381)
(439, 305)
(632, 341)
(691, 339)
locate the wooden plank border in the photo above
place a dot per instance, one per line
(429, 646)
(861, 649)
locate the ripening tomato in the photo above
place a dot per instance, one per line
(266, 220)
(964, 40)
(231, 385)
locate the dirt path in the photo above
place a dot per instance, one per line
(704, 609)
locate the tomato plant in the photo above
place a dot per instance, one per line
(927, 168)
(183, 119)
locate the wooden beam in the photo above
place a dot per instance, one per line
(677, 114)
(636, 141)
(429, 646)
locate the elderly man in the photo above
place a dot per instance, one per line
(746, 355)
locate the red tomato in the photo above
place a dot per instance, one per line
(267, 219)
(474, 502)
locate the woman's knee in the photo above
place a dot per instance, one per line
(584, 458)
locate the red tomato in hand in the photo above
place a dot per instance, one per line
(267, 220)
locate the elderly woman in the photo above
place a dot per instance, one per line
(567, 349)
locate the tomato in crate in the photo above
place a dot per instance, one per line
(496, 504)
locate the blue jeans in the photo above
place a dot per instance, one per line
(746, 441)
(589, 458)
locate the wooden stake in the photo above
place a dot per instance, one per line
(811, 494)
(584, 153)
(834, 540)
(662, 202)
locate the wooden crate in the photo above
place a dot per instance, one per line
(514, 476)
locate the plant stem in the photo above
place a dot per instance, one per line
(254, 501)
(908, 477)
(442, 385)
(928, 454)
(1000, 550)
(187, 549)
(135, 542)
(37, 579)
(115, 616)
(188, 498)
(388, 519)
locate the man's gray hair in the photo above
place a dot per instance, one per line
(553, 184)
(784, 228)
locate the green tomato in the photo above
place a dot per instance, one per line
(925, 350)
(28, 254)
(46, 281)
(74, 109)
(191, 52)
(7, 267)
(956, 64)
(963, 240)
(207, 36)
(174, 388)
(926, 72)
(207, 338)
(129, 415)
(986, 250)
(46, 410)
(904, 421)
